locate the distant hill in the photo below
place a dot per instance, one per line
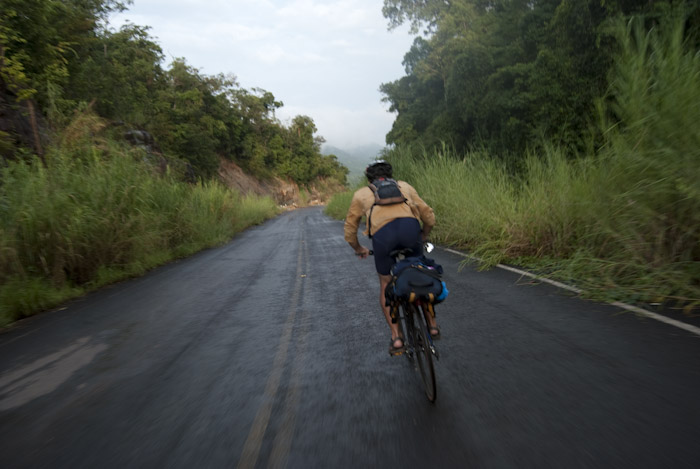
(355, 159)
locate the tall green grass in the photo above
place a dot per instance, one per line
(338, 205)
(99, 213)
(623, 223)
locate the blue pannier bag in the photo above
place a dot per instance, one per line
(417, 278)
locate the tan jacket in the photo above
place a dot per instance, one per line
(362, 202)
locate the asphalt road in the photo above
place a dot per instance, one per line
(271, 351)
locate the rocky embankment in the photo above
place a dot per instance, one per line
(286, 193)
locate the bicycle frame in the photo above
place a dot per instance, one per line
(419, 344)
(403, 307)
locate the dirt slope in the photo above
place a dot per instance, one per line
(286, 193)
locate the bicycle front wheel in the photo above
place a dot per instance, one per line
(423, 353)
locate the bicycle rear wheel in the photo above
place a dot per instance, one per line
(423, 353)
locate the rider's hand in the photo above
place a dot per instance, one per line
(362, 252)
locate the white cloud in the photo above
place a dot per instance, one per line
(341, 43)
(330, 16)
(270, 54)
(275, 54)
(342, 127)
(240, 32)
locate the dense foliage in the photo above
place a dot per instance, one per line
(62, 56)
(97, 213)
(507, 74)
(96, 138)
(622, 216)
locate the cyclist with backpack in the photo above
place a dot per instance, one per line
(394, 212)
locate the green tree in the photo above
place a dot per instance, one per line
(503, 73)
(192, 117)
(61, 55)
(261, 144)
(38, 38)
(121, 71)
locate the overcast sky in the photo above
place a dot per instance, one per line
(322, 58)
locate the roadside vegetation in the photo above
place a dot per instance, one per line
(338, 206)
(109, 159)
(618, 214)
(99, 213)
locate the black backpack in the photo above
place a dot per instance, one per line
(386, 192)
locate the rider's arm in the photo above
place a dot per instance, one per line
(352, 222)
(422, 210)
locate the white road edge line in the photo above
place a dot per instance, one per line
(643, 312)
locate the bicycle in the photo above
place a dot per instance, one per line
(419, 347)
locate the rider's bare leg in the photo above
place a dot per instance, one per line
(383, 282)
(432, 324)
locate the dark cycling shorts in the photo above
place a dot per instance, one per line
(401, 233)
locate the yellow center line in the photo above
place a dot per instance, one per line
(283, 440)
(251, 448)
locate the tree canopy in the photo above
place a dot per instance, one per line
(504, 73)
(63, 56)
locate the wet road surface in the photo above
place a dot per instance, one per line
(271, 351)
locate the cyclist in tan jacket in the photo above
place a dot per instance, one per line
(391, 227)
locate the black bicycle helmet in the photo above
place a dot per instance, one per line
(378, 169)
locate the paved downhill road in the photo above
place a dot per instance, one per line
(271, 351)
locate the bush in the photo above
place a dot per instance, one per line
(338, 205)
(97, 214)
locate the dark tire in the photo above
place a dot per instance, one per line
(423, 353)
